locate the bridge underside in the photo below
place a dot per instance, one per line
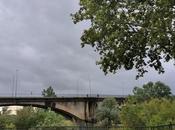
(77, 109)
(65, 114)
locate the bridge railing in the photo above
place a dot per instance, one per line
(160, 127)
(32, 94)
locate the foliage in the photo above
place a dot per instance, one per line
(129, 33)
(130, 115)
(150, 90)
(49, 92)
(151, 113)
(107, 112)
(26, 118)
(50, 119)
(30, 117)
(7, 121)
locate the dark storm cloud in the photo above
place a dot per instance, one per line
(39, 39)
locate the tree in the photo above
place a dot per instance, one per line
(30, 117)
(129, 33)
(107, 112)
(51, 119)
(49, 92)
(130, 115)
(151, 90)
(149, 113)
(7, 121)
(26, 118)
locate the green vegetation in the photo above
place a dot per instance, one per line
(7, 121)
(150, 90)
(49, 92)
(107, 112)
(51, 119)
(149, 113)
(30, 117)
(150, 105)
(129, 33)
(25, 118)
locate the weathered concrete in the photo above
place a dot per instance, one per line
(75, 108)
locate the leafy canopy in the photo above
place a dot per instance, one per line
(148, 113)
(30, 117)
(25, 118)
(151, 90)
(129, 33)
(50, 119)
(107, 112)
(49, 92)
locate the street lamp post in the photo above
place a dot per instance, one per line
(89, 86)
(16, 85)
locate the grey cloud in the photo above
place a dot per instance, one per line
(39, 39)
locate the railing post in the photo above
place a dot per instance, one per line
(170, 126)
(152, 128)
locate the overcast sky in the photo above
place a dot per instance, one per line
(40, 41)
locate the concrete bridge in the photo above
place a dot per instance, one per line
(75, 108)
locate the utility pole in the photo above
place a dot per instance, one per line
(13, 85)
(16, 84)
(77, 88)
(89, 85)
